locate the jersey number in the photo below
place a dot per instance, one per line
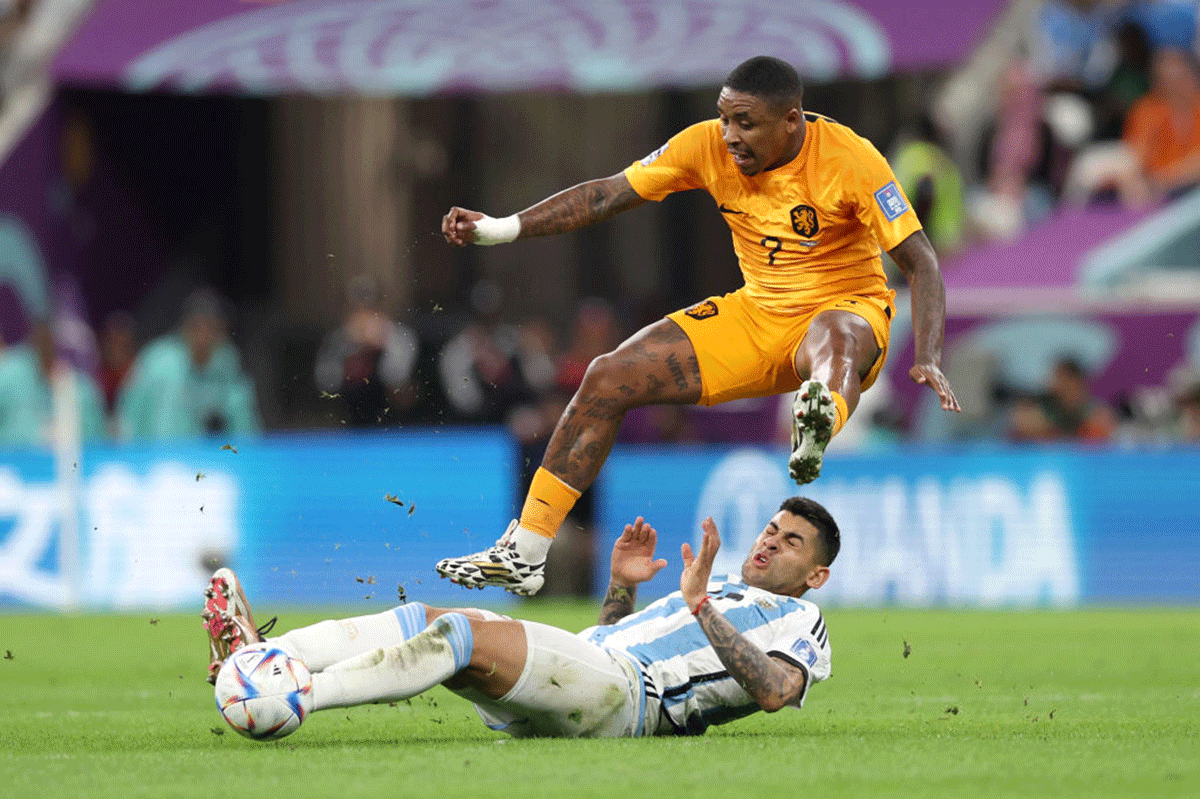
(776, 244)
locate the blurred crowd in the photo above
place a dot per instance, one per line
(1096, 101)
(372, 371)
(183, 385)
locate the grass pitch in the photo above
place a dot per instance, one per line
(985, 704)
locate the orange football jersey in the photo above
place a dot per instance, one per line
(805, 232)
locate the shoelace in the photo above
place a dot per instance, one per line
(266, 628)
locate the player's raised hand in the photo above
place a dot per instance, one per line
(633, 555)
(693, 582)
(928, 374)
(458, 226)
(461, 227)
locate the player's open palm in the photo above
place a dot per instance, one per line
(932, 376)
(633, 559)
(693, 582)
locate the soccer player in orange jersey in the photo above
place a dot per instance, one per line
(810, 205)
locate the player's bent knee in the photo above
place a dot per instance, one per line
(607, 379)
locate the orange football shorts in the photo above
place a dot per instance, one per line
(745, 350)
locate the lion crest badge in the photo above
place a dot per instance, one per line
(804, 221)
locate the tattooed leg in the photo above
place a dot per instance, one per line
(657, 365)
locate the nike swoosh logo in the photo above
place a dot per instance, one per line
(727, 210)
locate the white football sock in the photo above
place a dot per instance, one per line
(440, 651)
(530, 545)
(322, 644)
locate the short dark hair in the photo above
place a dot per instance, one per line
(814, 513)
(772, 79)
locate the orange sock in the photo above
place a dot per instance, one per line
(547, 504)
(843, 411)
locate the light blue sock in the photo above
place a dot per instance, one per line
(412, 619)
(457, 630)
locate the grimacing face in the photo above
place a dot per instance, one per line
(784, 558)
(758, 137)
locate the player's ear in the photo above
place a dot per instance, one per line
(792, 118)
(817, 577)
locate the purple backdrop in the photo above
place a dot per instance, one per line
(28, 178)
(82, 232)
(1148, 344)
(415, 47)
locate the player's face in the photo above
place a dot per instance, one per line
(783, 559)
(757, 136)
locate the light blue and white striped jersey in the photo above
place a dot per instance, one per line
(684, 671)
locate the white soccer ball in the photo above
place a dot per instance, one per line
(263, 692)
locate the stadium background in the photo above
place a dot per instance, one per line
(275, 151)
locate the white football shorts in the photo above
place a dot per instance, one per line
(570, 688)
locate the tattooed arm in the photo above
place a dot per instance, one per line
(918, 262)
(632, 563)
(580, 206)
(771, 682)
(618, 603)
(570, 209)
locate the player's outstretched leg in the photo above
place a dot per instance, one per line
(814, 415)
(434, 655)
(502, 564)
(656, 365)
(227, 619)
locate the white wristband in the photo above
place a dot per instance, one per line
(489, 230)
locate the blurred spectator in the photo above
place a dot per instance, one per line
(189, 383)
(1084, 65)
(1129, 81)
(369, 361)
(594, 333)
(933, 184)
(118, 349)
(1068, 410)
(1070, 45)
(1163, 128)
(1187, 403)
(532, 420)
(1019, 148)
(43, 398)
(14, 16)
(480, 378)
(1159, 155)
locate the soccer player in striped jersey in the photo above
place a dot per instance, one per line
(810, 205)
(719, 648)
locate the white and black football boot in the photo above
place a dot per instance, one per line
(500, 565)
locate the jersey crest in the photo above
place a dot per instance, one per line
(804, 221)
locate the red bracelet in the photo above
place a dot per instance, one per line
(702, 601)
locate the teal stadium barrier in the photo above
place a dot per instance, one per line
(335, 520)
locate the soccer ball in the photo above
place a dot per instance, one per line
(263, 692)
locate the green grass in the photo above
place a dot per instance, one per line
(988, 704)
